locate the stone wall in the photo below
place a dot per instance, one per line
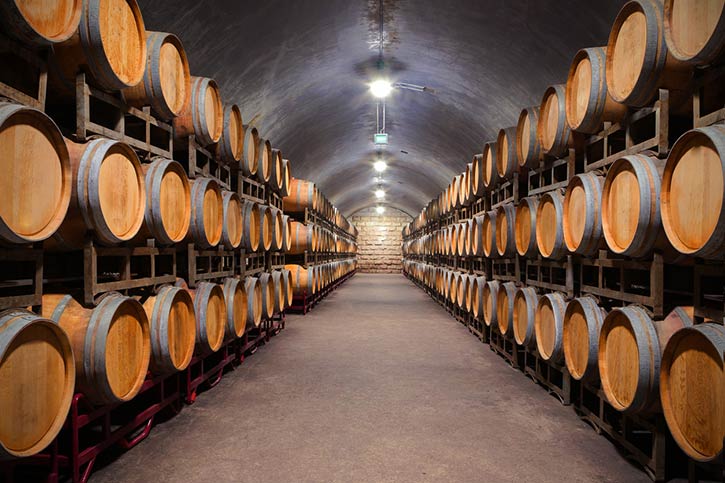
(379, 239)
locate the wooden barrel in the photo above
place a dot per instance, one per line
(525, 226)
(458, 189)
(549, 326)
(549, 231)
(36, 360)
(303, 280)
(489, 234)
(588, 103)
(465, 191)
(280, 291)
(207, 213)
(109, 194)
(210, 309)
(302, 195)
(489, 173)
(528, 147)
(250, 226)
(287, 229)
(268, 293)
(110, 41)
(461, 290)
(35, 189)
(695, 30)
(462, 237)
(233, 224)
(477, 297)
(692, 389)
(277, 170)
(583, 321)
(553, 130)
(278, 229)
(490, 310)
(41, 23)
(582, 218)
(524, 315)
(453, 290)
(203, 113)
(470, 229)
(638, 60)
(111, 344)
(453, 239)
(506, 230)
(476, 176)
(693, 193)
(173, 329)
(477, 236)
(631, 205)
(235, 298)
(230, 148)
(254, 300)
(250, 153)
(288, 287)
(166, 82)
(507, 161)
(264, 160)
(505, 307)
(168, 202)
(286, 177)
(265, 228)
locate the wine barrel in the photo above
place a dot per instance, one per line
(470, 232)
(638, 61)
(461, 290)
(210, 309)
(453, 239)
(34, 159)
(268, 294)
(489, 234)
(168, 202)
(41, 23)
(303, 280)
(111, 344)
(465, 193)
(286, 177)
(254, 300)
(692, 389)
(302, 195)
(588, 103)
(264, 160)
(476, 176)
(506, 230)
(207, 213)
(110, 41)
(583, 321)
(250, 225)
(109, 194)
(525, 226)
(232, 224)
(230, 148)
(528, 147)
(280, 291)
(477, 297)
(278, 229)
(693, 187)
(477, 236)
(173, 329)
(459, 189)
(203, 113)
(524, 315)
(629, 359)
(582, 218)
(549, 231)
(507, 161)
(250, 153)
(549, 326)
(505, 307)
(695, 30)
(462, 237)
(36, 360)
(553, 130)
(277, 170)
(288, 287)
(490, 310)
(265, 227)
(631, 205)
(235, 298)
(166, 82)
(287, 230)
(488, 171)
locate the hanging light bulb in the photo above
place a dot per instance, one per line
(381, 88)
(380, 210)
(379, 194)
(380, 166)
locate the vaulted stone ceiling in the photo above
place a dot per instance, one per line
(300, 69)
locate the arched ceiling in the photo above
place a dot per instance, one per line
(299, 70)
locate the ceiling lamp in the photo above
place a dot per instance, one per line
(380, 210)
(380, 166)
(381, 88)
(379, 194)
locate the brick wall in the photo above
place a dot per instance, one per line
(379, 239)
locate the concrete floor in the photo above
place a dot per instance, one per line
(378, 383)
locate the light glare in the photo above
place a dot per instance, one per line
(380, 194)
(380, 88)
(380, 166)
(380, 210)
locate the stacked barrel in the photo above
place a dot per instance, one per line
(323, 243)
(111, 195)
(540, 239)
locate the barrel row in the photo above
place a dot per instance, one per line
(305, 196)
(106, 352)
(317, 239)
(644, 366)
(308, 281)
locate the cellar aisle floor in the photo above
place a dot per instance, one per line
(377, 383)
